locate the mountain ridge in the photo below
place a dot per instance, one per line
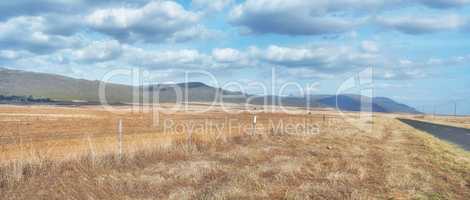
(63, 88)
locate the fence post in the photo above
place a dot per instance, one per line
(254, 125)
(190, 139)
(120, 139)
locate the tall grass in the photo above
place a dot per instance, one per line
(391, 162)
(34, 164)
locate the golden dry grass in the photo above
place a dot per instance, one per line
(459, 121)
(393, 161)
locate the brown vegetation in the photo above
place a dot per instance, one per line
(459, 121)
(64, 153)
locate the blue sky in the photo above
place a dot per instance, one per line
(419, 50)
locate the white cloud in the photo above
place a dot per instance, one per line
(302, 62)
(452, 61)
(227, 55)
(10, 55)
(99, 51)
(154, 22)
(326, 58)
(423, 24)
(133, 21)
(308, 73)
(444, 4)
(197, 32)
(399, 74)
(16, 8)
(327, 62)
(30, 33)
(295, 57)
(166, 59)
(299, 17)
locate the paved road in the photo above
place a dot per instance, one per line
(456, 135)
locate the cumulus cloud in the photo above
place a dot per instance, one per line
(13, 55)
(328, 59)
(296, 17)
(16, 8)
(422, 25)
(320, 60)
(124, 33)
(154, 22)
(9, 57)
(186, 59)
(65, 25)
(399, 74)
(31, 34)
(296, 57)
(56, 25)
(9, 9)
(452, 61)
(197, 32)
(99, 51)
(179, 59)
(227, 55)
(444, 4)
(304, 62)
(111, 52)
(404, 69)
(33, 7)
(327, 62)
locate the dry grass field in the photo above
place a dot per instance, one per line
(71, 153)
(460, 121)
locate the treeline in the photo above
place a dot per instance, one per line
(24, 99)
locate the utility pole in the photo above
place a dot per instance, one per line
(423, 109)
(455, 108)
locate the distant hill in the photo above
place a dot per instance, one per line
(61, 88)
(377, 104)
(40, 85)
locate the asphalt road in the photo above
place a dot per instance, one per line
(456, 135)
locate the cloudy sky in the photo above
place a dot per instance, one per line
(419, 50)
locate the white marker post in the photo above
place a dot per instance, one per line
(254, 125)
(120, 139)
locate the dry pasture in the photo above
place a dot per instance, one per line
(70, 153)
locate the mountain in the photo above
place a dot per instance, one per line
(391, 106)
(351, 103)
(377, 104)
(192, 92)
(61, 88)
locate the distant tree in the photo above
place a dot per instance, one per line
(30, 98)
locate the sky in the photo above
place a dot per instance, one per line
(419, 51)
